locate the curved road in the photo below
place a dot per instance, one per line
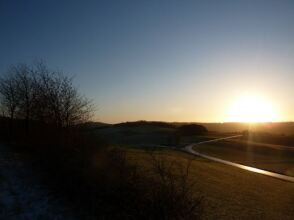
(189, 149)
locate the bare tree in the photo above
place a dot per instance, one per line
(25, 86)
(9, 97)
(40, 94)
(59, 102)
(74, 107)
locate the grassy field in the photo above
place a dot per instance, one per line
(149, 134)
(228, 192)
(231, 193)
(257, 155)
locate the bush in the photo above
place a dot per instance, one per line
(100, 182)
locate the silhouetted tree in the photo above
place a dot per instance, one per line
(191, 129)
(25, 86)
(40, 94)
(59, 102)
(9, 98)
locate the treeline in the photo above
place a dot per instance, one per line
(145, 123)
(36, 93)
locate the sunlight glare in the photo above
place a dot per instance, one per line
(252, 109)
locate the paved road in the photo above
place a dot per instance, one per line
(189, 149)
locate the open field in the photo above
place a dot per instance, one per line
(286, 128)
(279, 133)
(137, 133)
(273, 158)
(228, 192)
(231, 193)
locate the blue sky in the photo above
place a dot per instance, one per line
(159, 60)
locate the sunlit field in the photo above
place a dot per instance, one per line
(229, 192)
(272, 158)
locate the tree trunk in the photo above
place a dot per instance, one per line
(11, 131)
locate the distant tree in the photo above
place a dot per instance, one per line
(191, 129)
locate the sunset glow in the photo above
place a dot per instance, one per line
(252, 108)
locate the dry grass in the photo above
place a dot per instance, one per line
(231, 193)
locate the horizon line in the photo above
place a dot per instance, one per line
(197, 122)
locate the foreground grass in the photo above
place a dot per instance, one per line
(231, 193)
(280, 160)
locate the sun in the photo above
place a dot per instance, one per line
(252, 108)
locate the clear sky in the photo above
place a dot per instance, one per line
(159, 60)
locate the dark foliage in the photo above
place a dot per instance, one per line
(191, 129)
(145, 123)
(99, 182)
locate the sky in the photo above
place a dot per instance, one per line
(159, 60)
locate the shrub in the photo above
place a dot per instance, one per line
(101, 183)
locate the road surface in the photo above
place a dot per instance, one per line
(189, 149)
